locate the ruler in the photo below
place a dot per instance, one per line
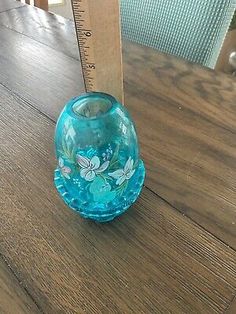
(97, 24)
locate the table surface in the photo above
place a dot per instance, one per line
(174, 250)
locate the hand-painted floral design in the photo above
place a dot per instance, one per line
(123, 174)
(105, 181)
(65, 171)
(90, 167)
(101, 190)
(108, 153)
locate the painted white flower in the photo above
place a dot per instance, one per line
(65, 171)
(123, 174)
(90, 167)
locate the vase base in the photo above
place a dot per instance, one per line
(100, 212)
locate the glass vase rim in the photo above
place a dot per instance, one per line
(102, 95)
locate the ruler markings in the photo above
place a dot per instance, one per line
(99, 45)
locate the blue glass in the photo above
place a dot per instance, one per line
(99, 171)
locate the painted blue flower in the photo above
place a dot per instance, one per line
(101, 190)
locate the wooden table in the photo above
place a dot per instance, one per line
(174, 250)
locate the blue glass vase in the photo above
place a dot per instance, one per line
(99, 172)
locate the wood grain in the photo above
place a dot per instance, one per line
(46, 82)
(6, 5)
(13, 298)
(45, 27)
(232, 307)
(151, 260)
(185, 116)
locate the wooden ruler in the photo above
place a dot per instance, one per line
(97, 24)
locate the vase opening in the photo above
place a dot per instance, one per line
(92, 107)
